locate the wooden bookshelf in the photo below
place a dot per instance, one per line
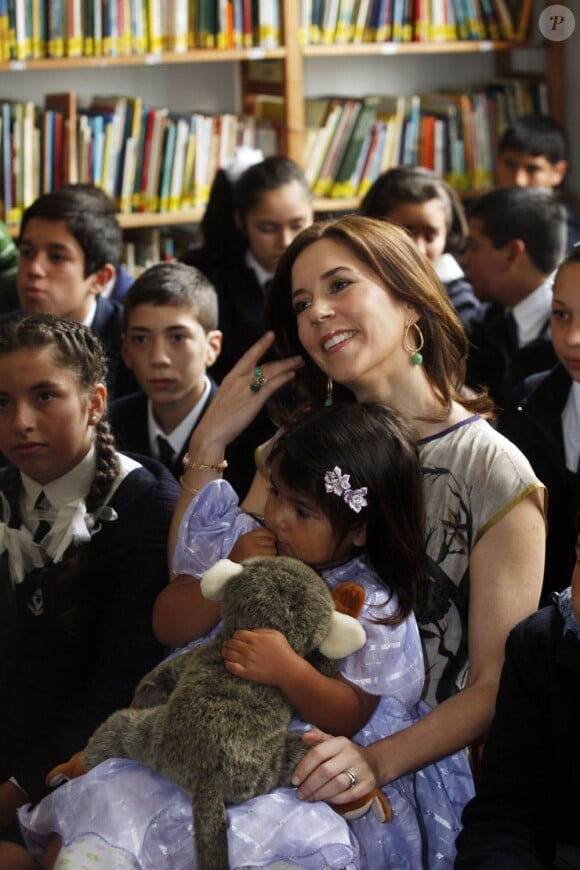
(288, 61)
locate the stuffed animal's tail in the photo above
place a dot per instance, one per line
(210, 823)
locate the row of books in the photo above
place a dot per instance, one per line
(33, 29)
(334, 22)
(145, 158)
(349, 141)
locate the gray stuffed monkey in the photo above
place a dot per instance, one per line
(222, 738)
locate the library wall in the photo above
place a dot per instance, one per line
(400, 74)
(207, 87)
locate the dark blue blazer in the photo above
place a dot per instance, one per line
(128, 418)
(494, 360)
(76, 637)
(528, 800)
(533, 421)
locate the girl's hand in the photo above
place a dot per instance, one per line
(259, 542)
(235, 405)
(321, 773)
(263, 656)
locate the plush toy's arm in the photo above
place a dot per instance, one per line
(69, 770)
(349, 598)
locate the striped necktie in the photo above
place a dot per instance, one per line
(42, 505)
(166, 452)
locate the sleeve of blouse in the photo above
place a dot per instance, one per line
(211, 525)
(391, 661)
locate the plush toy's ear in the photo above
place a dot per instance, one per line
(215, 579)
(345, 636)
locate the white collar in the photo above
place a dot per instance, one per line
(70, 523)
(532, 312)
(262, 276)
(75, 484)
(88, 321)
(181, 433)
(447, 268)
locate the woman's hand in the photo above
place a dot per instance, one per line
(235, 405)
(259, 542)
(321, 773)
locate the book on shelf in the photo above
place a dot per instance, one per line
(329, 21)
(345, 22)
(330, 166)
(167, 156)
(155, 157)
(347, 178)
(154, 26)
(360, 20)
(65, 104)
(331, 109)
(177, 181)
(124, 21)
(74, 29)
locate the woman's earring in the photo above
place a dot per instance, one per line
(329, 400)
(415, 352)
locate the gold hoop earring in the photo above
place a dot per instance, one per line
(415, 352)
(329, 400)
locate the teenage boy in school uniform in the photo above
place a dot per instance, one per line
(69, 248)
(515, 243)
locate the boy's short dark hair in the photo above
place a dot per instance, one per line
(532, 214)
(90, 218)
(174, 284)
(537, 135)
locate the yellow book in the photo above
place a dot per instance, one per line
(154, 26)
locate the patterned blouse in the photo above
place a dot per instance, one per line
(473, 477)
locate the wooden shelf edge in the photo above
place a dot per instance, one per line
(141, 220)
(207, 55)
(397, 48)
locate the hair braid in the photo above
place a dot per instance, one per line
(107, 466)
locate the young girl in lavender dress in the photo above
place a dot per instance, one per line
(346, 497)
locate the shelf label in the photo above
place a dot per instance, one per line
(388, 48)
(256, 53)
(485, 45)
(17, 65)
(153, 59)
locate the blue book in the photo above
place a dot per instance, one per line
(6, 161)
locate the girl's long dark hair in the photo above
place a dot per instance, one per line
(77, 349)
(369, 442)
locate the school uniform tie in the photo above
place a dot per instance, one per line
(166, 452)
(42, 505)
(512, 330)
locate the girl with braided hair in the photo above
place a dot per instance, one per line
(83, 533)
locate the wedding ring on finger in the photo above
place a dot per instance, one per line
(352, 777)
(259, 379)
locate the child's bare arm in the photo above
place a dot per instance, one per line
(330, 703)
(182, 614)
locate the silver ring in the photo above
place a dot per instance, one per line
(352, 777)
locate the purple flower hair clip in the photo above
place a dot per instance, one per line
(339, 484)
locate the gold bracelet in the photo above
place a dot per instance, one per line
(193, 465)
(190, 489)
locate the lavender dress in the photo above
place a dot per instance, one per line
(135, 809)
